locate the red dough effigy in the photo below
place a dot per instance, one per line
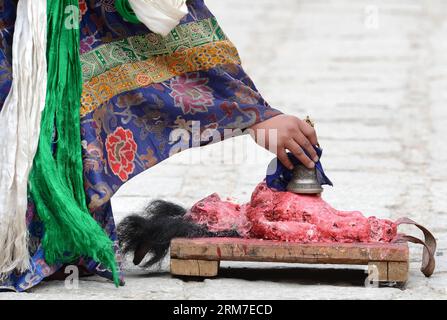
(286, 216)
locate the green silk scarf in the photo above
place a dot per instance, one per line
(125, 10)
(56, 181)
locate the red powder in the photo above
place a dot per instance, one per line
(286, 216)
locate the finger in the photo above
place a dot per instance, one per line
(309, 132)
(284, 158)
(298, 152)
(307, 145)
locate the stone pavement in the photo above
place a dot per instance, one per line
(373, 74)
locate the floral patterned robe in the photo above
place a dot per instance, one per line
(138, 89)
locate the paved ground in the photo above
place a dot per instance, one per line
(373, 74)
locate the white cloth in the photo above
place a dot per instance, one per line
(160, 16)
(19, 133)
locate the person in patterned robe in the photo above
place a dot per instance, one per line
(139, 89)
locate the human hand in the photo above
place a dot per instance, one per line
(293, 134)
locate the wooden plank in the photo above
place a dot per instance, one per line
(198, 268)
(234, 249)
(398, 271)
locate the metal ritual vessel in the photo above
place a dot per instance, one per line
(304, 181)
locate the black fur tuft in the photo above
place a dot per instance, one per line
(152, 231)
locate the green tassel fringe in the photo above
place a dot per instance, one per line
(125, 10)
(56, 181)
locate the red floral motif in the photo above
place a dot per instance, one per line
(121, 148)
(82, 7)
(229, 108)
(191, 93)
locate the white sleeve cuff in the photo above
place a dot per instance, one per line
(160, 16)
